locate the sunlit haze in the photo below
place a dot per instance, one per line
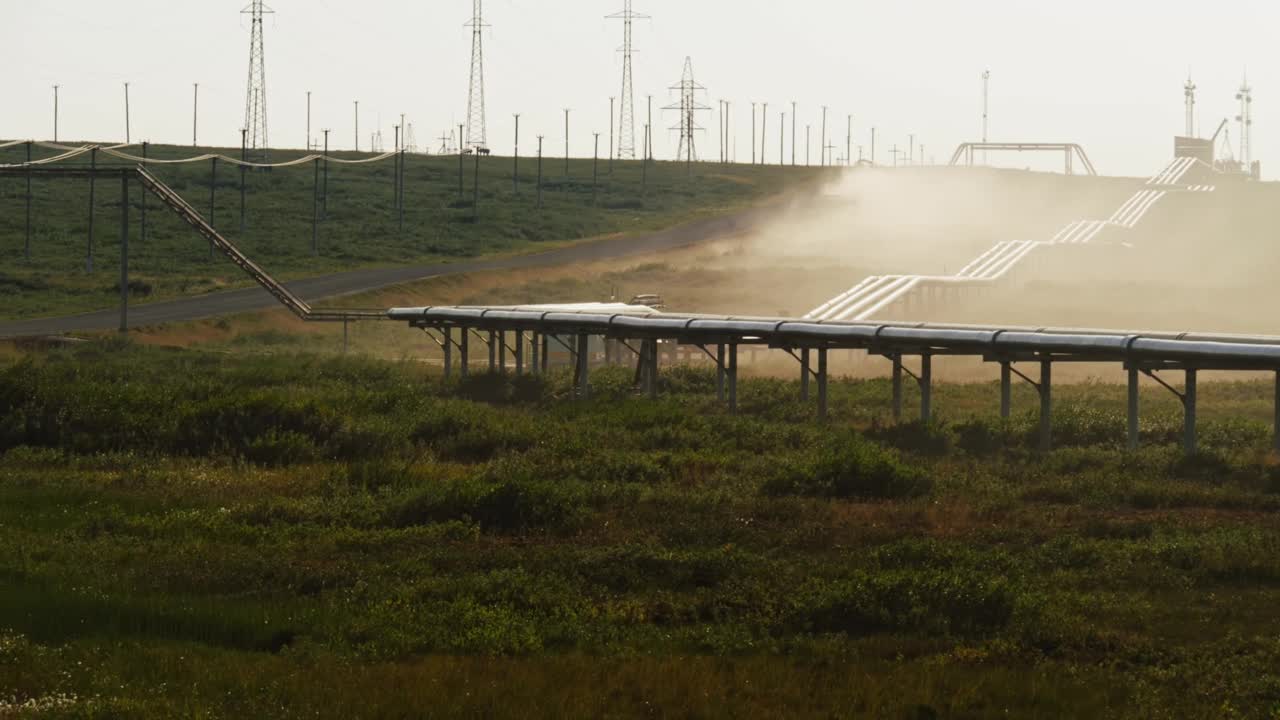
(1108, 75)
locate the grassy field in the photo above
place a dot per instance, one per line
(211, 535)
(361, 228)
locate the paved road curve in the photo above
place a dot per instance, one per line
(230, 302)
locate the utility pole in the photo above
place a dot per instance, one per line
(195, 115)
(244, 151)
(515, 160)
(986, 94)
(644, 166)
(55, 112)
(595, 169)
(357, 126)
(848, 143)
(808, 146)
(128, 136)
(793, 133)
(462, 190)
(611, 135)
(824, 136)
(324, 208)
(566, 142)
(873, 147)
(753, 133)
(911, 150)
(539, 172)
(728, 114)
(764, 131)
(782, 139)
(649, 135)
(309, 144)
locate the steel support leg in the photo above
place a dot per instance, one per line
(804, 375)
(1133, 409)
(493, 352)
(926, 388)
(464, 365)
(584, 386)
(519, 353)
(822, 384)
(502, 352)
(720, 379)
(897, 388)
(733, 378)
(1006, 390)
(448, 353)
(345, 339)
(545, 355)
(1276, 430)
(654, 349)
(1046, 405)
(124, 253)
(1189, 413)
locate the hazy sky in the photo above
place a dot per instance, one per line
(1107, 74)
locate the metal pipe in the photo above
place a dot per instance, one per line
(1046, 405)
(1189, 413)
(1134, 437)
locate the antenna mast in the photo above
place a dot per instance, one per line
(1189, 92)
(255, 103)
(1245, 118)
(626, 119)
(476, 138)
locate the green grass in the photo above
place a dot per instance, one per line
(361, 228)
(188, 533)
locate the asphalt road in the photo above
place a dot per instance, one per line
(231, 302)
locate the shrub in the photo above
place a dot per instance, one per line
(504, 496)
(852, 469)
(951, 601)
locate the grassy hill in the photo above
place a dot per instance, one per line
(360, 229)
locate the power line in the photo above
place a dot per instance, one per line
(255, 102)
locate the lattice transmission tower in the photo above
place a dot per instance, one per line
(476, 138)
(255, 101)
(688, 107)
(626, 119)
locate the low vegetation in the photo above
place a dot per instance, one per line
(201, 534)
(359, 226)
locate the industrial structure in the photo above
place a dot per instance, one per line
(255, 101)
(476, 138)
(688, 107)
(626, 149)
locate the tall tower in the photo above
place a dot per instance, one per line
(688, 108)
(1245, 118)
(986, 97)
(255, 101)
(626, 119)
(1189, 94)
(476, 138)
